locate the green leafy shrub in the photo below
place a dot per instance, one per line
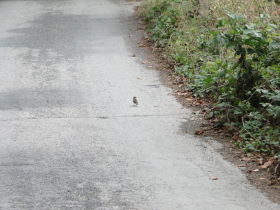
(233, 59)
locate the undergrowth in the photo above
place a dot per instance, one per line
(232, 56)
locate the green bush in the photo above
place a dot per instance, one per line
(232, 59)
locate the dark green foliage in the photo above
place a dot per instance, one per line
(250, 97)
(232, 60)
(163, 20)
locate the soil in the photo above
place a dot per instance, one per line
(147, 54)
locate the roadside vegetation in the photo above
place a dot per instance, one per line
(228, 51)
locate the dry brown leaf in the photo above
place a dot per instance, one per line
(267, 164)
(236, 137)
(214, 178)
(182, 94)
(272, 182)
(141, 45)
(199, 132)
(246, 159)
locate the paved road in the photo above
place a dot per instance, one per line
(70, 137)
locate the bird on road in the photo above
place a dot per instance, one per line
(135, 101)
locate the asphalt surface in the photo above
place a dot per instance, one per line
(70, 135)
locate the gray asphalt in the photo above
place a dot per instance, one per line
(70, 135)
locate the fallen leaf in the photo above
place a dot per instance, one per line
(236, 137)
(271, 183)
(214, 178)
(256, 170)
(246, 159)
(260, 161)
(182, 94)
(141, 45)
(199, 132)
(267, 164)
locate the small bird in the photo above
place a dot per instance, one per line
(135, 101)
